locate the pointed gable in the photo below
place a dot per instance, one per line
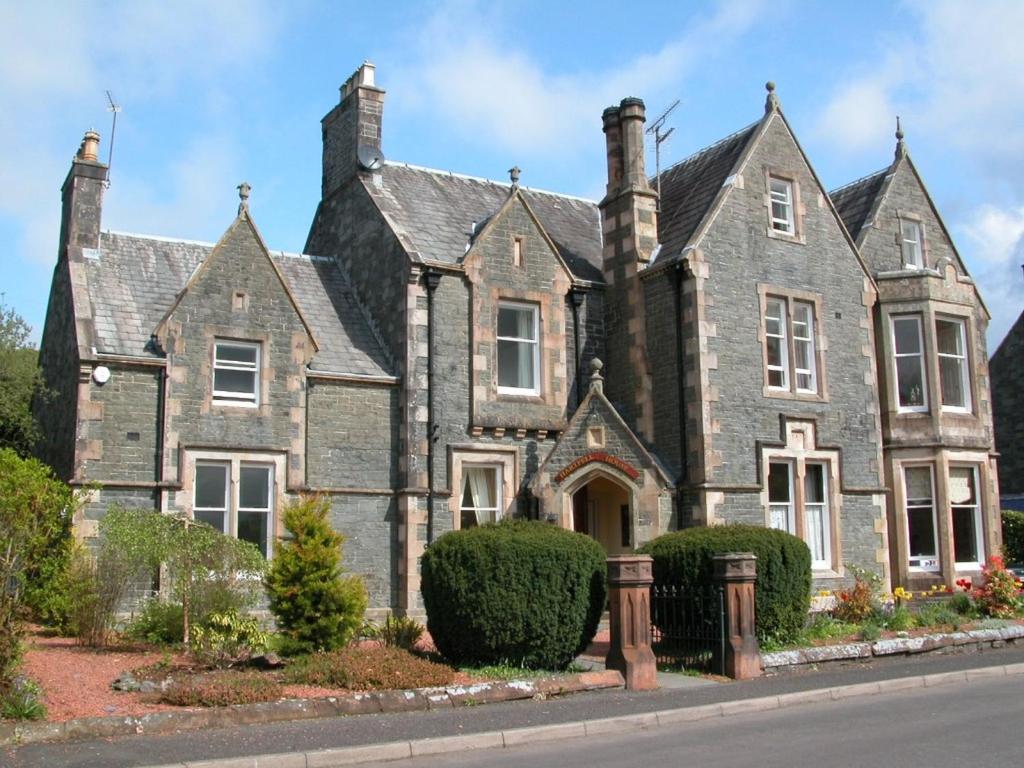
(857, 200)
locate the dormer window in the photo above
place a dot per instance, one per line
(781, 191)
(236, 367)
(518, 349)
(912, 241)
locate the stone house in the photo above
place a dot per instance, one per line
(1006, 369)
(451, 350)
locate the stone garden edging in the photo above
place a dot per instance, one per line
(974, 639)
(374, 702)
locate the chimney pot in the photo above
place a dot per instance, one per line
(89, 149)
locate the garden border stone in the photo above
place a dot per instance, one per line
(976, 639)
(306, 709)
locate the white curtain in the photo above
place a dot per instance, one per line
(481, 488)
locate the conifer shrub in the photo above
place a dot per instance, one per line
(1013, 536)
(317, 606)
(783, 588)
(521, 593)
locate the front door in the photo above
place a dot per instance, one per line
(601, 510)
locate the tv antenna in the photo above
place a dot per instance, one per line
(114, 108)
(659, 137)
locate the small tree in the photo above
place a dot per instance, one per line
(316, 606)
(20, 380)
(35, 520)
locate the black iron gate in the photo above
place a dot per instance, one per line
(688, 628)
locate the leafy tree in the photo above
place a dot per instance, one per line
(317, 607)
(35, 540)
(20, 380)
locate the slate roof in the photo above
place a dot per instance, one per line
(689, 188)
(434, 212)
(134, 279)
(855, 200)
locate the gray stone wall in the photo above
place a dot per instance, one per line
(1007, 367)
(740, 256)
(662, 350)
(370, 526)
(353, 435)
(119, 424)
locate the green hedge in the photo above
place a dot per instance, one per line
(1013, 536)
(522, 593)
(783, 589)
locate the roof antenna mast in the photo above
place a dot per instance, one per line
(659, 137)
(114, 108)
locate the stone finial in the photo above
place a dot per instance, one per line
(90, 147)
(243, 196)
(513, 174)
(596, 379)
(771, 103)
(901, 146)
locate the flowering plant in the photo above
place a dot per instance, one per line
(860, 602)
(998, 595)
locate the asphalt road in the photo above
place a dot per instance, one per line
(144, 750)
(973, 724)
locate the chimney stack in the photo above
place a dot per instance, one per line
(82, 199)
(629, 227)
(352, 130)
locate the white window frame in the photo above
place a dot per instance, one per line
(979, 537)
(822, 509)
(912, 247)
(225, 397)
(495, 511)
(787, 225)
(782, 336)
(273, 464)
(782, 515)
(535, 342)
(812, 371)
(921, 564)
(920, 355)
(224, 510)
(961, 359)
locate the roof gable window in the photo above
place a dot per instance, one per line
(518, 349)
(781, 192)
(911, 243)
(236, 367)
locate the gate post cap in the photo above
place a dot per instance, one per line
(630, 569)
(735, 566)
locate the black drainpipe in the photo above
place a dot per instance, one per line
(576, 301)
(161, 416)
(681, 272)
(432, 279)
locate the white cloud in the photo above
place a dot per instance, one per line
(996, 236)
(480, 89)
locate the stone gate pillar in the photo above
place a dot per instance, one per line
(629, 587)
(735, 573)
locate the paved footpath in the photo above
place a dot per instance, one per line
(329, 742)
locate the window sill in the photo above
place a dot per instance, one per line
(520, 396)
(912, 411)
(825, 573)
(796, 238)
(788, 394)
(235, 403)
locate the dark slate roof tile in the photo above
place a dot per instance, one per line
(136, 278)
(689, 188)
(435, 212)
(855, 200)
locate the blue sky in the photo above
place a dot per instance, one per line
(217, 92)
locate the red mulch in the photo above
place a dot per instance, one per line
(76, 680)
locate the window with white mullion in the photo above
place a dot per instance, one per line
(518, 349)
(908, 350)
(781, 503)
(951, 347)
(776, 344)
(817, 526)
(922, 525)
(481, 495)
(210, 494)
(236, 366)
(966, 512)
(911, 239)
(781, 192)
(255, 501)
(803, 347)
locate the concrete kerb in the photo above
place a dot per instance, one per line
(400, 750)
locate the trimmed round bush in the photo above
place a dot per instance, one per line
(1013, 536)
(522, 593)
(783, 588)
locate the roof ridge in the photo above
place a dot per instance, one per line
(862, 179)
(158, 238)
(469, 177)
(710, 147)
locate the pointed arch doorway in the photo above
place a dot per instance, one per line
(602, 508)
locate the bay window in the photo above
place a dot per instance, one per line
(908, 346)
(966, 513)
(951, 347)
(922, 526)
